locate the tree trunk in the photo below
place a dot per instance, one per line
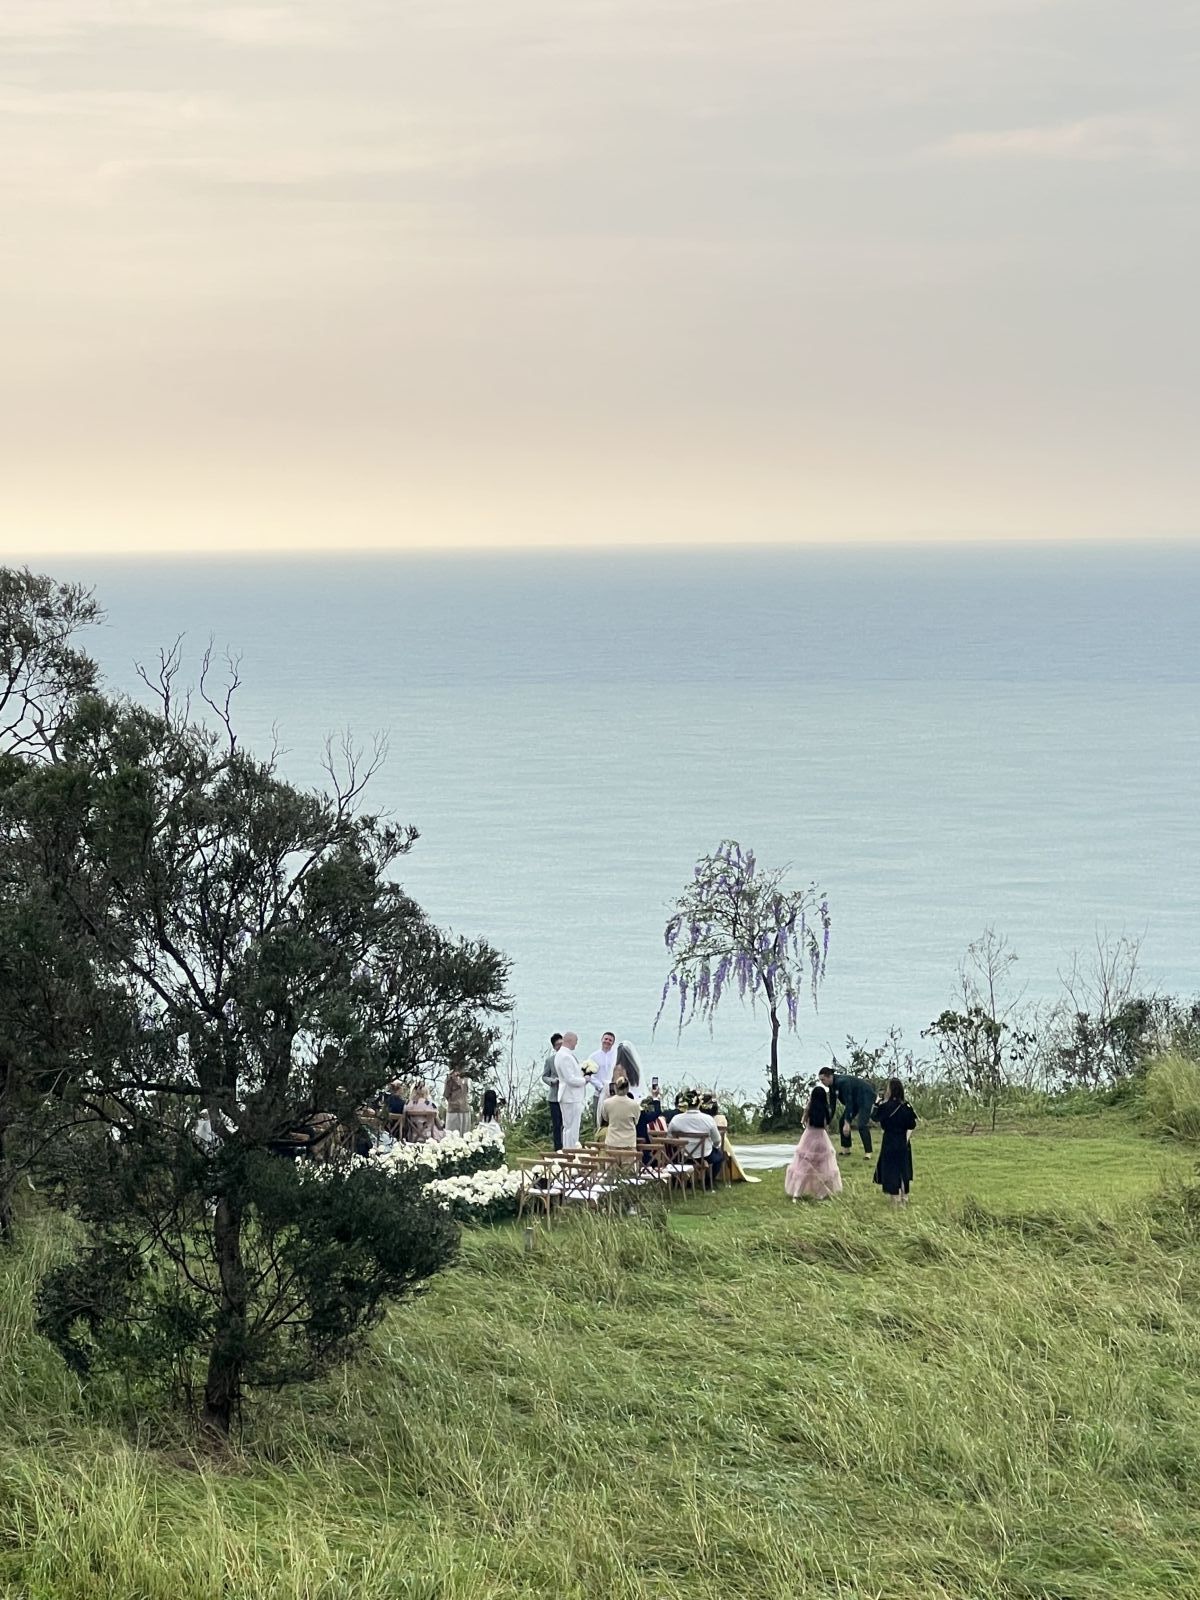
(774, 1096)
(223, 1381)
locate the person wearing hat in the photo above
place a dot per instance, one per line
(857, 1097)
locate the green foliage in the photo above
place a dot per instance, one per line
(329, 1246)
(739, 1117)
(201, 937)
(1033, 1307)
(786, 1115)
(1170, 1098)
(532, 1128)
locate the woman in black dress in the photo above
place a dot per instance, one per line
(894, 1169)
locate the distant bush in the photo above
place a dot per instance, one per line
(1171, 1098)
(739, 1118)
(532, 1127)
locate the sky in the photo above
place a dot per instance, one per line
(372, 273)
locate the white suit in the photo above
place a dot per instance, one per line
(605, 1061)
(571, 1087)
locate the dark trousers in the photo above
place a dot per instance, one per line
(556, 1124)
(860, 1120)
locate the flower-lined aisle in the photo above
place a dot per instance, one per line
(463, 1173)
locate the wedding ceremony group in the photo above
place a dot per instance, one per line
(607, 1085)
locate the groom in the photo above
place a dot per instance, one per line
(572, 1086)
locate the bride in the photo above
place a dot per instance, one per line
(630, 1068)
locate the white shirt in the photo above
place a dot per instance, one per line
(697, 1122)
(571, 1080)
(605, 1061)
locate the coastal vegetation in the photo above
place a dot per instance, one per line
(995, 1392)
(197, 960)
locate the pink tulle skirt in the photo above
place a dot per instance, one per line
(814, 1169)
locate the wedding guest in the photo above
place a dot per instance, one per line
(650, 1120)
(898, 1121)
(457, 1094)
(550, 1077)
(572, 1085)
(858, 1098)
(813, 1173)
(622, 1113)
(420, 1116)
(492, 1104)
(694, 1122)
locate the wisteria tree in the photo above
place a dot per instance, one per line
(737, 928)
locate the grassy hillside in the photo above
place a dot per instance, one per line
(996, 1393)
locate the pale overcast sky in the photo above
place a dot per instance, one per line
(373, 272)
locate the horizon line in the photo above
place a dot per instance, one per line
(602, 548)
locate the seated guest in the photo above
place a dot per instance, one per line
(313, 1138)
(395, 1097)
(622, 1114)
(650, 1120)
(702, 1133)
(491, 1106)
(420, 1115)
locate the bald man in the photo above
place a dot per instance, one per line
(572, 1086)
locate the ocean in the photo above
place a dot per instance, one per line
(944, 739)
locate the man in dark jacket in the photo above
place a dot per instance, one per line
(858, 1098)
(550, 1078)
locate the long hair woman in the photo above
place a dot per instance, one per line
(894, 1169)
(630, 1068)
(813, 1173)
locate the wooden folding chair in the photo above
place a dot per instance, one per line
(676, 1172)
(541, 1185)
(691, 1151)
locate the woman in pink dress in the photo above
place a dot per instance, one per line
(813, 1172)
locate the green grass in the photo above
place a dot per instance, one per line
(993, 1394)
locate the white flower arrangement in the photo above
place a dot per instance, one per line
(478, 1196)
(463, 1173)
(484, 1145)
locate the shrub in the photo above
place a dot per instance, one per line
(1172, 1097)
(533, 1125)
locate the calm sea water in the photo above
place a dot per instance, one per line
(944, 740)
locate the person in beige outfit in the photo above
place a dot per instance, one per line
(621, 1112)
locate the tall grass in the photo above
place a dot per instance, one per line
(1172, 1098)
(995, 1393)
